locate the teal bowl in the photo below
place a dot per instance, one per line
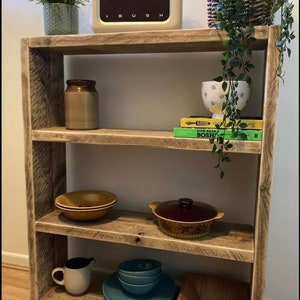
(138, 289)
(139, 279)
(140, 267)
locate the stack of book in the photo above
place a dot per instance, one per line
(205, 128)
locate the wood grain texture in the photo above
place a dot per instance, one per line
(227, 241)
(15, 283)
(46, 82)
(145, 138)
(159, 41)
(265, 175)
(42, 78)
(208, 287)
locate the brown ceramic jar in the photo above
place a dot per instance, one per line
(81, 104)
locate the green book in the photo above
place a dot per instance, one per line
(209, 133)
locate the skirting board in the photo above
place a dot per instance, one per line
(15, 259)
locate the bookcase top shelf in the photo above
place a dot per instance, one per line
(182, 40)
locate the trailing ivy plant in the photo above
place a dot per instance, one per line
(236, 63)
(234, 18)
(286, 35)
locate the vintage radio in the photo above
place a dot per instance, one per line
(136, 15)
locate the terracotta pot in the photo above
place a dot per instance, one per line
(185, 218)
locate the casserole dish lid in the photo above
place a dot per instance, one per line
(185, 210)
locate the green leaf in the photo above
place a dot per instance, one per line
(251, 40)
(226, 159)
(218, 78)
(222, 174)
(224, 86)
(226, 43)
(243, 136)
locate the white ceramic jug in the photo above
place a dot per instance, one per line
(77, 274)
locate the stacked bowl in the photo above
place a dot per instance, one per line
(139, 276)
(87, 205)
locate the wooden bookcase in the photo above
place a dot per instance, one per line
(45, 156)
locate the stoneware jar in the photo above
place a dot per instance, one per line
(81, 104)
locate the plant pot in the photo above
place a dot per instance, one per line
(60, 18)
(213, 96)
(262, 12)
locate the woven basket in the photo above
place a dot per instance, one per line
(262, 12)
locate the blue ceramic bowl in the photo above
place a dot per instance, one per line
(138, 289)
(140, 267)
(139, 279)
(112, 289)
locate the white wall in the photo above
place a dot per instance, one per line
(128, 81)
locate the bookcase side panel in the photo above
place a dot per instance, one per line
(266, 167)
(45, 163)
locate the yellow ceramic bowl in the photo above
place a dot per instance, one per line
(85, 214)
(85, 200)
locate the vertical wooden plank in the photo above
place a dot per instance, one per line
(47, 93)
(266, 167)
(45, 163)
(25, 70)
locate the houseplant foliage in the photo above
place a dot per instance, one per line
(70, 2)
(286, 34)
(234, 17)
(236, 64)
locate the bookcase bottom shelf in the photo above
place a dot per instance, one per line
(93, 293)
(203, 286)
(60, 293)
(195, 287)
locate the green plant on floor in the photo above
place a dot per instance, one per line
(234, 18)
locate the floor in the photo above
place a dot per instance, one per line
(15, 283)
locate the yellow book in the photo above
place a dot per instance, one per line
(205, 122)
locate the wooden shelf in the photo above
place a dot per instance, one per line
(46, 159)
(93, 293)
(159, 41)
(226, 240)
(145, 138)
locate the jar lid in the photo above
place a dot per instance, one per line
(80, 82)
(185, 210)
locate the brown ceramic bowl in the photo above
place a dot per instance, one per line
(87, 199)
(185, 218)
(85, 214)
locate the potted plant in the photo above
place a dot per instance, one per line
(235, 17)
(61, 16)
